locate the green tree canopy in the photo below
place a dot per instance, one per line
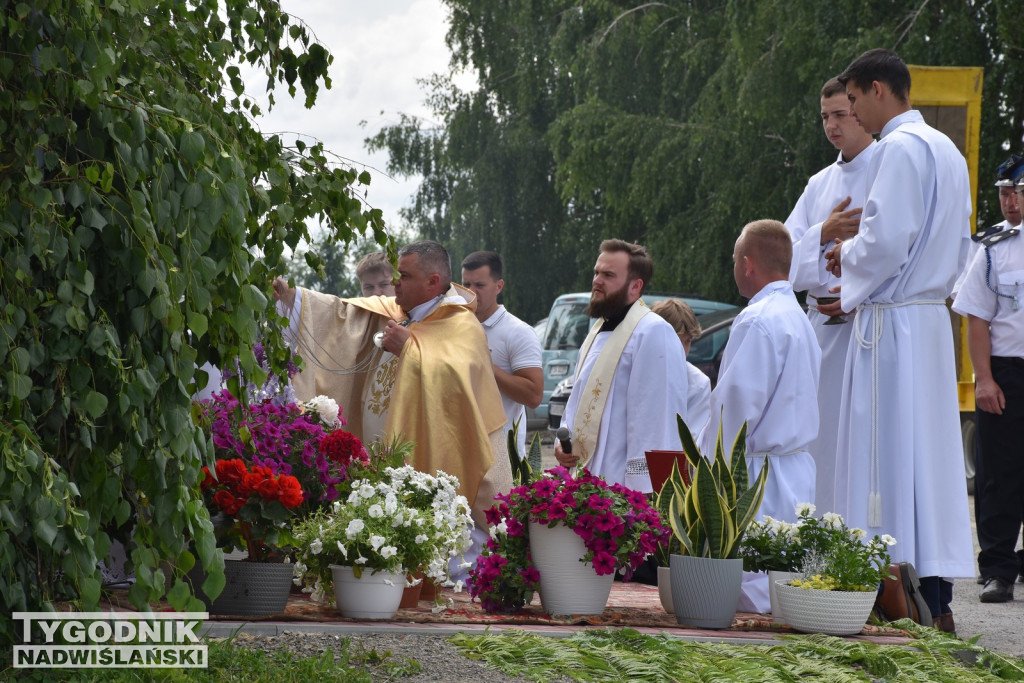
(142, 219)
(669, 123)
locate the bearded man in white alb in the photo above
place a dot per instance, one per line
(899, 462)
(829, 207)
(631, 378)
(768, 379)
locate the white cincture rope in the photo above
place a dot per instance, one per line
(878, 322)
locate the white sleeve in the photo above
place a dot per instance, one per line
(294, 315)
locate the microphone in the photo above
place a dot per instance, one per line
(563, 435)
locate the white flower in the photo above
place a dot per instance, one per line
(318, 594)
(390, 503)
(343, 549)
(376, 511)
(805, 509)
(360, 560)
(327, 408)
(421, 538)
(376, 541)
(832, 520)
(502, 527)
(366, 491)
(858, 533)
(888, 540)
(353, 529)
(388, 551)
(316, 547)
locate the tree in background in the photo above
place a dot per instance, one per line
(142, 219)
(338, 264)
(668, 123)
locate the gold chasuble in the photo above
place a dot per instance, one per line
(439, 393)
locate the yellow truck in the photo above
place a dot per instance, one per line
(949, 98)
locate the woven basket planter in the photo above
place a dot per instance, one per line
(834, 613)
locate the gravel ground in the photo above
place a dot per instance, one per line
(439, 659)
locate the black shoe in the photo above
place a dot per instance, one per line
(997, 590)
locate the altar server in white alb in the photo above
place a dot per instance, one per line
(768, 379)
(631, 378)
(829, 208)
(899, 462)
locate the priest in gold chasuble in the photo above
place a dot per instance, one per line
(430, 380)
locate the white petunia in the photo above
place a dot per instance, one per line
(375, 511)
(805, 509)
(316, 547)
(888, 540)
(343, 549)
(832, 520)
(360, 560)
(366, 491)
(422, 538)
(353, 529)
(388, 551)
(376, 541)
(858, 533)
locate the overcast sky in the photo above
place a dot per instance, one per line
(381, 48)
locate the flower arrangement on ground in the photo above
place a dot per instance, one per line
(304, 440)
(829, 554)
(618, 526)
(250, 506)
(409, 521)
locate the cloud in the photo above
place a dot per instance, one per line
(380, 50)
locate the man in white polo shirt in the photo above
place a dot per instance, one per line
(515, 349)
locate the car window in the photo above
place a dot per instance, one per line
(568, 324)
(708, 346)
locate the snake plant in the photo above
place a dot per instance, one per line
(710, 513)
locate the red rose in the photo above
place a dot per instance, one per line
(268, 489)
(231, 471)
(290, 493)
(228, 503)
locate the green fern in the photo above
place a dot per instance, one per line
(626, 655)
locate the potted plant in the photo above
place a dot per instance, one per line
(776, 547)
(566, 536)
(708, 517)
(304, 440)
(363, 546)
(840, 571)
(250, 506)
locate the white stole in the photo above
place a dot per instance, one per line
(586, 426)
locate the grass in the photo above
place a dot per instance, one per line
(626, 655)
(230, 662)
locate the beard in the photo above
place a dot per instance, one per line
(613, 302)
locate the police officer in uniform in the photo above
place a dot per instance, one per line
(991, 296)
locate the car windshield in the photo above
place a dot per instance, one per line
(568, 324)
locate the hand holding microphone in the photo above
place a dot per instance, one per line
(563, 450)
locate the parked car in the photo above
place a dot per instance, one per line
(706, 352)
(535, 422)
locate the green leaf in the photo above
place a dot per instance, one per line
(18, 386)
(46, 531)
(90, 591)
(191, 146)
(95, 404)
(198, 323)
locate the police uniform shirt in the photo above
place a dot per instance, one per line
(1003, 308)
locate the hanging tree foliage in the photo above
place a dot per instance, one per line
(142, 218)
